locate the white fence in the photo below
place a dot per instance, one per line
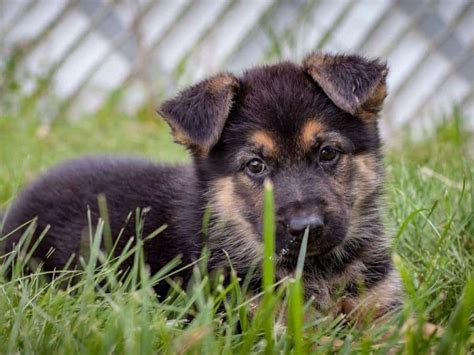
(73, 54)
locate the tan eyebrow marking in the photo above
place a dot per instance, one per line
(309, 131)
(264, 139)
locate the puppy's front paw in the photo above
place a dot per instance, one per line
(378, 301)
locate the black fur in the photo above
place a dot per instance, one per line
(217, 120)
(62, 196)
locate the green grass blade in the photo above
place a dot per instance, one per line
(268, 238)
(268, 259)
(296, 300)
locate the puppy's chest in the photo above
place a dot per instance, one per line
(328, 285)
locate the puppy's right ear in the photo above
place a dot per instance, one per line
(198, 114)
(355, 84)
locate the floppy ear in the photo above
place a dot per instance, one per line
(354, 84)
(198, 114)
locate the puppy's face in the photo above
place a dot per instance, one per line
(311, 130)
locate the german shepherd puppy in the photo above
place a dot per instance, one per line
(310, 129)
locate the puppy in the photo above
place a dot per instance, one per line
(311, 129)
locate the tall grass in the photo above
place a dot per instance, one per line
(95, 308)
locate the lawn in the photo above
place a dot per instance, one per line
(429, 214)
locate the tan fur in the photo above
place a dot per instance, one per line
(315, 64)
(221, 89)
(342, 178)
(181, 137)
(224, 83)
(243, 247)
(264, 139)
(352, 273)
(367, 166)
(325, 291)
(226, 203)
(369, 109)
(317, 60)
(366, 108)
(375, 302)
(367, 178)
(308, 133)
(256, 200)
(221, 82)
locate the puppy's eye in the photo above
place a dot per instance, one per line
(255, 167)
(328, 154)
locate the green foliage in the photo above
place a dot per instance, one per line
(429, 214)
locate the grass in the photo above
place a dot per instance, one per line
(430, 200)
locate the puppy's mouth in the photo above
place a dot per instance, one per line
(291, 248)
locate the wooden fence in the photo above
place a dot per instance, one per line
(74, 54)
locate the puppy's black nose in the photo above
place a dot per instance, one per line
(297, 225)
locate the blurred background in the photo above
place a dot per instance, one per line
(69, 57)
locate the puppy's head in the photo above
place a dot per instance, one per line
(310, 129)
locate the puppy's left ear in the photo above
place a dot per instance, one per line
(198, 114)
(354, 84)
